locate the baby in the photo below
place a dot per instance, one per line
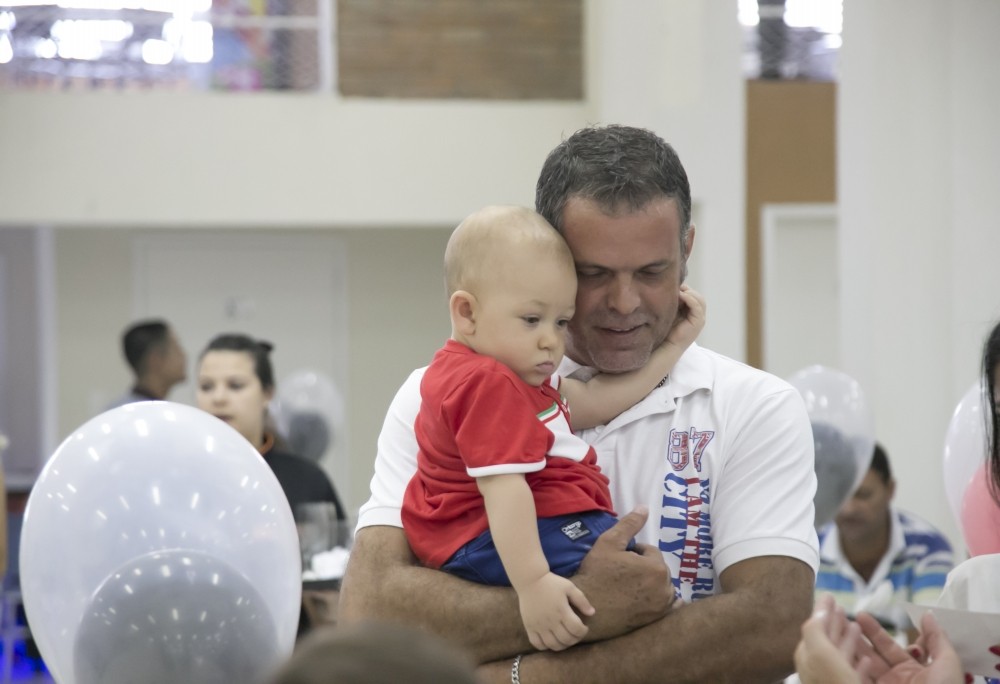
(505, 493)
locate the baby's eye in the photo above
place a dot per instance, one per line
(530, 320)
(562, 323)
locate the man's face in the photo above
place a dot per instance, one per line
(629, 268)
(865, 516)
(174, 360)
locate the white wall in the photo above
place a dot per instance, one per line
(279, 162)
(20, 396)
(673, 66)
(919, 161)
(396, 319)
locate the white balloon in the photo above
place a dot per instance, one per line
(145, 478)
(309, 411)
(174, 616)
(964, 447)
(843, 434)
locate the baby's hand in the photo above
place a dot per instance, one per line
(547, 612)
(690, 318)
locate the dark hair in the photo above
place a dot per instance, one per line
(375, 653)
(618, 167)
(259, 351)
(142, 337)
(991, 360)
(880, 464)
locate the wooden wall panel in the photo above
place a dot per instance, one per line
(508, 50)
(791, 157)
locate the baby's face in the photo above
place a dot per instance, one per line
(523, 315)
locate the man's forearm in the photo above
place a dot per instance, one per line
(746, 635)
(384, 582)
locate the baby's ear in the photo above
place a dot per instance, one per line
(463, 312)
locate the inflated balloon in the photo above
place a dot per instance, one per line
(980, 516)
(175, 616)
(836, 471)
(843, 435)
(146, 478)
(308, 410)
(964, 447)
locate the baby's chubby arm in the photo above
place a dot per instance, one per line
(546, 600)
(600, 399)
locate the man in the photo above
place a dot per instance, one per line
(873, 558)
(156, 359)
(720, 454)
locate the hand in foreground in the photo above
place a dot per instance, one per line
(547, 612)
(690, 318)
(886, 662)
(825, 654)
(628, 589)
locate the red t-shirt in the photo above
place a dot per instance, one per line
(477, 418)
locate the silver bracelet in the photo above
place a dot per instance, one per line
(515, 670)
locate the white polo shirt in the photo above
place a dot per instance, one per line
(722, 454)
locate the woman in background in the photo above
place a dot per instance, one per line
(991, 380)
(235, 384)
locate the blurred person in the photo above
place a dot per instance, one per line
(973, 586)
(696, 467)
(504, 493)
(991, 381)
(874, 557)
(374, 653)
(3, 509)
(235, 383)
(157, 361)
(834, 650)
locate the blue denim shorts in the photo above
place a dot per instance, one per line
(566, 539)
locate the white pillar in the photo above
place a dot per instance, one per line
(674, 66)
(918, 163)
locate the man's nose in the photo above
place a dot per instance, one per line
(623, 296)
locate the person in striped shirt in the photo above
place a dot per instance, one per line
(874, 557)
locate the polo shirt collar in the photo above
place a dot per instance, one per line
(692, 372)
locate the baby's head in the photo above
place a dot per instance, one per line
(512, 289)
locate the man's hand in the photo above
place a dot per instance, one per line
(628, 589)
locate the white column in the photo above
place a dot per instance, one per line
(674, 66)
(918, 159)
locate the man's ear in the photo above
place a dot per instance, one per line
(463, 306)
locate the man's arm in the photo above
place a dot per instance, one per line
(747, 634)
(384, 581)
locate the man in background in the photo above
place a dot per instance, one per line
(873, 557)
(157, 361)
